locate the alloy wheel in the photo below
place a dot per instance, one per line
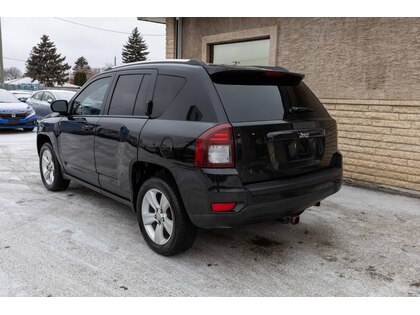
(157, 216)
(47, 164)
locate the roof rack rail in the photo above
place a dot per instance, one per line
(187, 61)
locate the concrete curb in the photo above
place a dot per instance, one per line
(384, 188)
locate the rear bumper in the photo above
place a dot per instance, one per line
(257, 207)
(258, 202)
(28, 122)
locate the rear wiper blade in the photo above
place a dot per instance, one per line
(297, 109)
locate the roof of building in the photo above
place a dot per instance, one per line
(160, 20)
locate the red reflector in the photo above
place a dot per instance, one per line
(226, 206)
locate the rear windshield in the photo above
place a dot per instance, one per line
(251, 102)
(247, 102)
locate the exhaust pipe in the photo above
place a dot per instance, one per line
(291, 219)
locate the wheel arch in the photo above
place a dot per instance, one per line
(41, 140)
(142, 171)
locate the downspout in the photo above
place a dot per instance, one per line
(178, 33)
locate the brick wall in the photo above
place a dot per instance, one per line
(170, 38)
(359, 58)
(380, 140)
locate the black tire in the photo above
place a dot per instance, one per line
(58, 183)
(183, 233)
(28, 129)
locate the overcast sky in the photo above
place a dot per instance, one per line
(72, 41)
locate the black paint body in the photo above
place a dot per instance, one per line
(111, 153)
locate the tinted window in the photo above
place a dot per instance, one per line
(140, 107)
(190, 105)
(167, 88)
(268, 102)
(90, 100)
(125, 94)
(251, 102)
(302, 96)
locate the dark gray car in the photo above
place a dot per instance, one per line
(41, 100)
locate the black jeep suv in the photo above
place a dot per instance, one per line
(188, 144)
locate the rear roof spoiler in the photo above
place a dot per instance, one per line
(253, 75)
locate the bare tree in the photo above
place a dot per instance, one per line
(107, 66)
(12, 73)
(93, 72)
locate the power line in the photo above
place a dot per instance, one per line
(14, 59)
(102, 29)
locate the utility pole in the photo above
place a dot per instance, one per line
(1, 58)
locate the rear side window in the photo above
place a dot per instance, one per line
(125, 94)
(167, 88)
(47, 97)
(37, 96)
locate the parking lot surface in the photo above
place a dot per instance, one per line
(79, 243)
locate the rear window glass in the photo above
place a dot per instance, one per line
(247, 102)
(302, 96)
(251, 102)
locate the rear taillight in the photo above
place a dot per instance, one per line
(214, 148)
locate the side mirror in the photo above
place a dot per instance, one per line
(60, 107)
(49, 101)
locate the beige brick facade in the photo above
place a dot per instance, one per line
(380, 140)
(170, 38)
(365, 70)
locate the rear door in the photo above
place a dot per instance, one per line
(117, 134)
(281, 129)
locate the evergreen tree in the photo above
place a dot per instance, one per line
(135, 49)
(80, 78)
(81, 65)
(46, 65)
(81, 68)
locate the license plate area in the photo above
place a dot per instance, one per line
(13, 121)
(296, 148)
